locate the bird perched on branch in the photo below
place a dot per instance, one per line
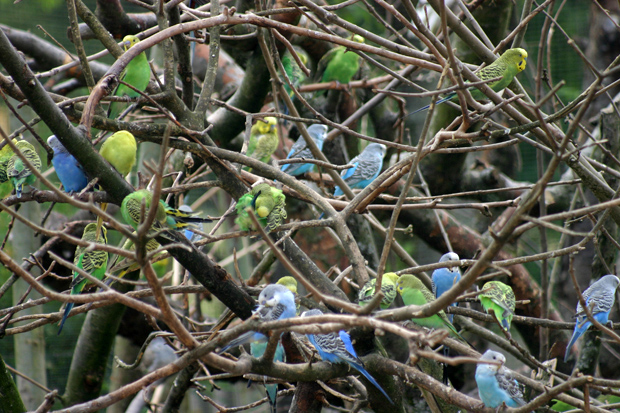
(264, 139)
(275, 302)
(339, 64)
(268, 203)
(166, 217)
(366, 167)
(337, 348)
(599, 298)
(414, 292)
(68, 169)
(496, 386)
(388, 288)
(137, 73)
(500, 298)
(91, 261)
(128, 265)
(5, 155)
(507, 66)
(292, 69)
(444, 278)
(120, 151)
(301, 151)
(17, 171)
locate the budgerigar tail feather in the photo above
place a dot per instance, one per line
(272, 396)
(576, 334)
(440, 101)
(64, 316)
(242, 339)
(371, 379)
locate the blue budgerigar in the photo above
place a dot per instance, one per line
(275, 302)
(366, 167)
(496, 385)
(599, 298)
(299, 150)
(444, 278)
(68, 169)
(337, 348)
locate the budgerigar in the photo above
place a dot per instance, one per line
(291, 283)
(293, 71)
(599, 298)
(500, 298)
(68, 169)
(414, 292)
(445, 278)
(508, 65)
(300, 150)
(275, 302)
(269, 204)
(388, 288)
(16, 169)
(496, 385)
(264, 139)
(93, 262)
(339, 64)
(137, 73)
(5, 154)
(120, 151)
(366, 167)
(166, 216)
(128, 265)
(337, 348)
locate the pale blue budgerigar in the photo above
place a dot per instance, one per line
(366, 167)
(444, 278)
(337, 348)
(496, 385)
(599, 298)
(68, 169)
(300, 150)
(275, 302)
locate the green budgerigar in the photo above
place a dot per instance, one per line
(508, 65)
(120, 151)
(91, 261)
(414, 292)
(500, 298)
(264, 139)
(268, 203)
(339, 64)
(388, 288)
(5, 155)
(166, 217)
(16, 169)
(293, 71)
(128, 265)
(137, 73)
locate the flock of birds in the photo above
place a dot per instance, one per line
(496, 385)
